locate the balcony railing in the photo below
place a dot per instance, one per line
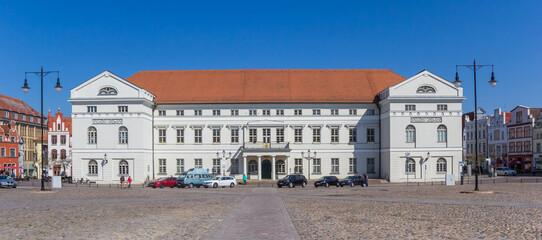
(272, 146)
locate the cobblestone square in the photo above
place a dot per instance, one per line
(381, 211)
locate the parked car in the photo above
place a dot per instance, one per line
(352, 181)
(505, 171)
(326, 181)
(7, 182)
(194, 177)
(220, 182)
(292, 181)
(164, 182)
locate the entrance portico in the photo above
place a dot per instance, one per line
(266, 166)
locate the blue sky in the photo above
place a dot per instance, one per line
(84, 38)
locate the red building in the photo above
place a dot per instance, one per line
(9, 148)
(520, 138)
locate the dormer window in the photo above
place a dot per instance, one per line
(425, 89)
(107, 91)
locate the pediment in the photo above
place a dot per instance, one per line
(425, 84)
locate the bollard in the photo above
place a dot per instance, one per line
(431, 183)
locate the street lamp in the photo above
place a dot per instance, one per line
(309, 158)
(223, 160)
(26, 89)
(492, 83)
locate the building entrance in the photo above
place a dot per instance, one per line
(266, 169)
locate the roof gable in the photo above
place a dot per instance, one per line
(425, 84)
(106, 82)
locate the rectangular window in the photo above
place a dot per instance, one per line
(180, 165)
(53, 140)
(91, 109)
(298, 135)
(197, 135)
(511, 133)
(316, 112)
(519, 146)
(527, 133)
(12, 139)
(353, 133)
(316, 165)
(162, 135)
(216, 166)
(24, 117)
(442, 107)
(266, 135)
(538, 148)
(3, 152)
(161, 112)
(519, 132)
(253, 135)
(334, 165)
(410, 107)
(123, 108)
(198, 163)
(519, 117)
(1, 138)
(6, 113)
(371, 165)
(334, 112)
(63, 140)
(216, 112)
(298, 165)
(316, 135)
(497, 135)
(280, 112)
(235, 135)
(162, 166)
(216, 135)
(370, 135)
(335, 135)
(234, 166)
(352, 165)
(280, 134)
(266, 112)
(370, 112)
(527, 146)
(512, 147)
(253, 112)
(353, 112)
(180, 112)
(235, 112)
(298, 112)
(15, 115)
(180, 135)
(197, 112)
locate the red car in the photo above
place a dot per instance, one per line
(165, 182)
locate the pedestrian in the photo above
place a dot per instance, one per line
(366, 179)
(122, 181)
(129, 182)
(12, 175)
(244, 179)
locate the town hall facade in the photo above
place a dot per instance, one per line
(267, 124)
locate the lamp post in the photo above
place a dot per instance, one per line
(26, 89)
(309, 158)
(223, 160)
(492, 83)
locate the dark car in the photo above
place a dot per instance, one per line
(326, 181)
(292, 181)
(7, 182)
(165, 182)
(352, 181)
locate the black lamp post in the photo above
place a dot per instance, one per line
(309, 158)
(492, 83)
(224, 158)
(26, 88)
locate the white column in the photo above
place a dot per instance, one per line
(273, 175)
(245, 165)
(287, 165)
(259, 167)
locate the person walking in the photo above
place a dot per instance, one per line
(122, 181)
(244, 179)
(129, 182)
(366, 179)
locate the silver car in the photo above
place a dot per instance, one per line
(504, 171)
(7, 182)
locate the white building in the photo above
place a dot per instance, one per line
(264, 122)
(469, 137)
(498, 137)
(59, 130)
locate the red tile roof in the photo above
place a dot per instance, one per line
(280, 85)
(16, 105)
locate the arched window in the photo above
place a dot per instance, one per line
(252, 166)
(410, 166)
(54, 155)
(441, 134)
(63, 154)
(107, 91)
(280, 167)
(410, 134)
(123, 135)
(123, 167)
(425, 89)
(441, 165)
(92, 167)
(92, 135)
